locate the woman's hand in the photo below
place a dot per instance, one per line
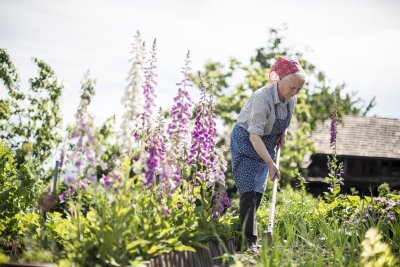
(262, 151)
(281, 139)
(274, 172)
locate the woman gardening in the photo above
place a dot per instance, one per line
(261, 125)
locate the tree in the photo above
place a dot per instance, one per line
(315, 101)
(30, 120)
(29, 131)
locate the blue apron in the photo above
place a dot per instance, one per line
(249, 169)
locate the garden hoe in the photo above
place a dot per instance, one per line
(272, 206)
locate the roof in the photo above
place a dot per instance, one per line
(361, 136)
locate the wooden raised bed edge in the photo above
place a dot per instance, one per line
(19, 264)
(203, 257)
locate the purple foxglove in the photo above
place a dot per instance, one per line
(91, 179)
(333, 129)
(70, 180)
(167, 212)
(106, 181)
(83, 186)
(180, 113)
(62, 197)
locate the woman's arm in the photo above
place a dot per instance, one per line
(262, 151)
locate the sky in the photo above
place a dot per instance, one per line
(352, 42)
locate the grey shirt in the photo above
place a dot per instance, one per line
(258, 114)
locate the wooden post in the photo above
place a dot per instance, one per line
(55, 178)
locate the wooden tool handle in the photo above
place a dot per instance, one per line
(273, 200)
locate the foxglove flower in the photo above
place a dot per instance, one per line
(391, 216)
(152, 164)
(74, 134)
(201, 175)
(90, 156)
(83, 186)
(61, 161)
(70, 180)
(204, 143)
(117, 176)
(212, 132)
(62, 197)
(221, 202)
(86, 154)
(70, 191)
(199, 149)
(167, 212)
(333, 129)
(148, 90)
(219, 167)
(106, 180)
(133, 97)
(215, 216)
(156, 151)
(80, 142)
(180, 113)
(170, 177)
(91, 178)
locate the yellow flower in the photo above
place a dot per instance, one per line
(376, 253)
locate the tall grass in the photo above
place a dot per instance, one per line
(305, 237)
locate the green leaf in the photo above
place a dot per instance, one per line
(334, 204)
(123, 212)
(393, 196)
(154, 248)
(137, 243)
(183, 248)
(336, 190)
(163, 232)
(368, 199)
(397, 210)
(172, 241)
(354, 198)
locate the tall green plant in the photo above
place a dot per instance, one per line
(335, 167)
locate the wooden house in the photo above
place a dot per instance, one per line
(369, 148)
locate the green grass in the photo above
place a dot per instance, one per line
(303, 236)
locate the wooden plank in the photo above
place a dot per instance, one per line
(15, 264)
(204, 257)
(162, 259)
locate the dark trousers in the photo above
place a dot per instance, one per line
(249, 203)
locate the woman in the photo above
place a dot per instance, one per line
(261, 124)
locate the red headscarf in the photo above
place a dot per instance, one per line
(283, 67)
